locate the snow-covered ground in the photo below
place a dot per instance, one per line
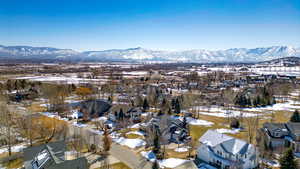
(270, 163)
(64, 79)
(193, 121)
(171, 162)
(149, 155)
(140, 133)
(79, 124)
(131, 143)
(15, 148)
(136, 73)
(229, 131)
(165, 163)
(218, 111)
(182, 149)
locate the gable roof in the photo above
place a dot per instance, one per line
(229, 144)
(275, 126)
(294, 128)
(51, 156)
(97, 106)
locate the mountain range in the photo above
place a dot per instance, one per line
(233, 55)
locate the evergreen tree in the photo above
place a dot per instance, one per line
(145, 104)
(121, 114)
(295, 117)
(169, 111)
(156, 144)
(177, 107)
(287, 161)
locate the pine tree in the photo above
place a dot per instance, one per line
(156, 143)
(295, 117)
(169, 111)
(177, 107)
(121, 114)
(145, 104)
(287, 161)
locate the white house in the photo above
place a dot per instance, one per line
(226, 152)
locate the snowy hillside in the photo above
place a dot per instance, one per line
(141, 54)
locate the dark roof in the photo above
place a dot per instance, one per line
(294, 128)
(31, 152)
(274, 126)
(93, 106)
(51, 156)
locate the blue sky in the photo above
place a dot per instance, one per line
(155, 24)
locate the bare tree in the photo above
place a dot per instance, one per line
(26, 128)
(6, 125)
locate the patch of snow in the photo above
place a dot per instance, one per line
(135, 126)
(171, 162)
(149, 155)
(131, 143)
(182, 149)
(230, 131)
(140, 133)
(16, 148)
(79, 124)
(193, 121)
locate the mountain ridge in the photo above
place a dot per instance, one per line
(142, 54)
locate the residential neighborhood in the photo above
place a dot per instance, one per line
(187, 117)
(149, 84)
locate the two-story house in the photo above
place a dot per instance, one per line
(280, 135)
(294, 133)
(226, 152)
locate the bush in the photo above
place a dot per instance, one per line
(235, 123)
(93, 148)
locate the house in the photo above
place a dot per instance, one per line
(51, 156)
(281, 135)
(169, 128)
(274, 134)
(94, 108)
(226, 152)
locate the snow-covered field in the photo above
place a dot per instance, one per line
(218, 111)
(63, 79)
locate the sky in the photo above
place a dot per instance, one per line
(154, 24)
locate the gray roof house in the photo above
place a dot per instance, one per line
(95, 108)
(226, 152)
(51, 156)
(280, 135)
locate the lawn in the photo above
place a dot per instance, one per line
(17, 163)
(117, 166)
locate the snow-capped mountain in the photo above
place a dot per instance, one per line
(28, 52)
(141, 54)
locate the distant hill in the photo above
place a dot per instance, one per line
(287, 61)
(235, 55)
